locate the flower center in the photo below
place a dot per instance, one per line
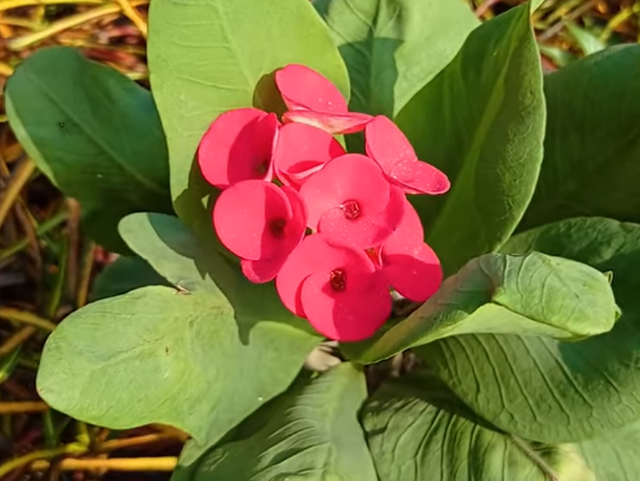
(277, 227)
(262, 167)
(337, 280)
(351, 209)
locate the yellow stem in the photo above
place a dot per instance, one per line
(68, 22)
(36, 455)
(23, 407)
(18, 338)
(133, 15)
(26, 317)
(167, 463)
(85, 276)
(6, 70)
(9, 4)
(17, 182)
(137, 441)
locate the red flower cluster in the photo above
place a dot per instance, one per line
(365, 236)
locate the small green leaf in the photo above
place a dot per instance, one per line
(393, 48)
(481, 121)
(200, 357)
(8, 363)
(534, 294)
(95, 134)
(547, 390)
(123, 275)
(592, 147)
(417, 430)
(587, 41)
(310, 433)
(209, 56)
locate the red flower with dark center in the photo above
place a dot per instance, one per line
(238, 146)
(349, 201)
(410, 265)
(302, 150)
(387, 145)
(261, 224)
(312, 99)
(337, 288)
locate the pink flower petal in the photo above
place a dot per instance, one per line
(386, 144)
(302, 149)
(348, 315)
(315, 254)
(414, 270)
(409, 230)
(250, 218)
(304, 88)
(366, 230)
(262, 271)
(351, 182)
(417, 177)
(297, 225)
(333, 123)
(238, 147)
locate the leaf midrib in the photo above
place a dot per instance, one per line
(91, 136)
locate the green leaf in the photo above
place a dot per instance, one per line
(481, 121)
(310, 433)
(613, 457)
(179, 257)
(95, 134)
(123, 275)
(417, 430)
(200, 357)
(209, 56)
(587, 41)
(393, 48)
(548, 390)
(592, 147)
(534, 294)
(8, 363)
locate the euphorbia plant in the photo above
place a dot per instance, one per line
(327, 160)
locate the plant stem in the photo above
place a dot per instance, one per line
(5, 70)
(20, 407)
(137, 441)
(42, 229)
(85, 275)
(17, 182)
(9, 4)
(166, 464)
(68, 22)
(26, 317)
(133, 15)
(16, 463)
(17, 339)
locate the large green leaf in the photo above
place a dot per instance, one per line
(534, 294)
(592, 146)
(614, 456)
(416, 430)
(95, 134)
(393, 48)
(200, 357)
(481, 121)
(310, 433)
(548, 390)
(209, 56)
(123, 275)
